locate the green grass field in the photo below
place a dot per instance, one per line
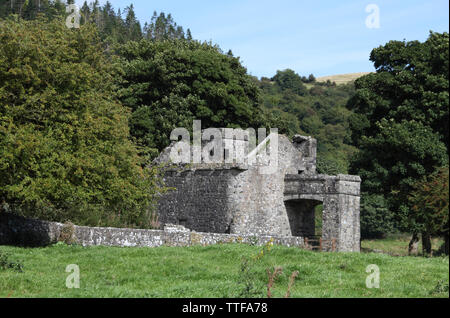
(397, 245)
(215, 271)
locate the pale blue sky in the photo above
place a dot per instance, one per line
(319, 37)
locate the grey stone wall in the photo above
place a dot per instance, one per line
(257, 200)
(15, 230)
(234, 199)
(340, 196)
(200, 201)
(19, 231)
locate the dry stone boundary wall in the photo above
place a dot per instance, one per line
(16, 230)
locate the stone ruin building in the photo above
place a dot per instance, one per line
(235, 198)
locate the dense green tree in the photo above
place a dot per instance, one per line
(65, 151)
(168, 84)
(377, 219)
(189, 35)
(289, 80)
(429, 201)
(29, 9)
(411, 83)
(283, 121)
(400, 121)
(113, 27)
(162, 27)
(132, 25)
(392, 161)
(85, 12)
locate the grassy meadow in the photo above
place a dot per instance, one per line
(397, 245)
(218, 271)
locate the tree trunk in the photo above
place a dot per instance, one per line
(426, 244)
(413, 245)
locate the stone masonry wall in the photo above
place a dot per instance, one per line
(239, 199)
(340, 196)
(199, 201)
(231, 199)
(255, 201)
(20, 231)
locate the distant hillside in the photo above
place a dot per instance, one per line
(311, 109)
(342, 78)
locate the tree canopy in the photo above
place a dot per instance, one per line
(64, 136)
(400, 121)
(167, 84)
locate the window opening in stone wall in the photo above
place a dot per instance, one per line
(302, 217)
(182, 222)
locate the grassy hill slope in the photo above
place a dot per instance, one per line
(342, 78)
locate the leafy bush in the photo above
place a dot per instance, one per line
(441, 287)
(376, 218)
(430, 201)
(67, 234)
(6, 263)
(248, 277)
